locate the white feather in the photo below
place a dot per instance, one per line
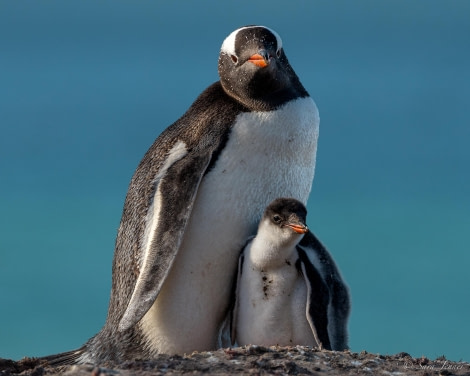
(228, 46)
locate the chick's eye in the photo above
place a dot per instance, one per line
(276, 218)
(234, 58)
(278, 53)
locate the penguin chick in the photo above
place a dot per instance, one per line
(284, 294)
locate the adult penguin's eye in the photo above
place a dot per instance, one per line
(234, 59)
(278, 53)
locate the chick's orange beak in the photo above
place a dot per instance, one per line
(299, 229)
(258, 60)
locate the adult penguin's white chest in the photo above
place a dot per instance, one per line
(267, 155)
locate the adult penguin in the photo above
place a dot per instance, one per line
(198, 194)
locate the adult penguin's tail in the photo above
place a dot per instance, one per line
(63, 359)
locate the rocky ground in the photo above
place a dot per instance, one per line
(255, 360)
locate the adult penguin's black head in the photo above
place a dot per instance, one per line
(254, 69)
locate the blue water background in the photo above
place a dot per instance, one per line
(86, 86)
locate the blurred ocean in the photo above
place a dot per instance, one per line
(86, 86)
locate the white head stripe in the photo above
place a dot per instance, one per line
(229, 43)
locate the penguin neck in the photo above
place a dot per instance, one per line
(263, 100)
(273, 246)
